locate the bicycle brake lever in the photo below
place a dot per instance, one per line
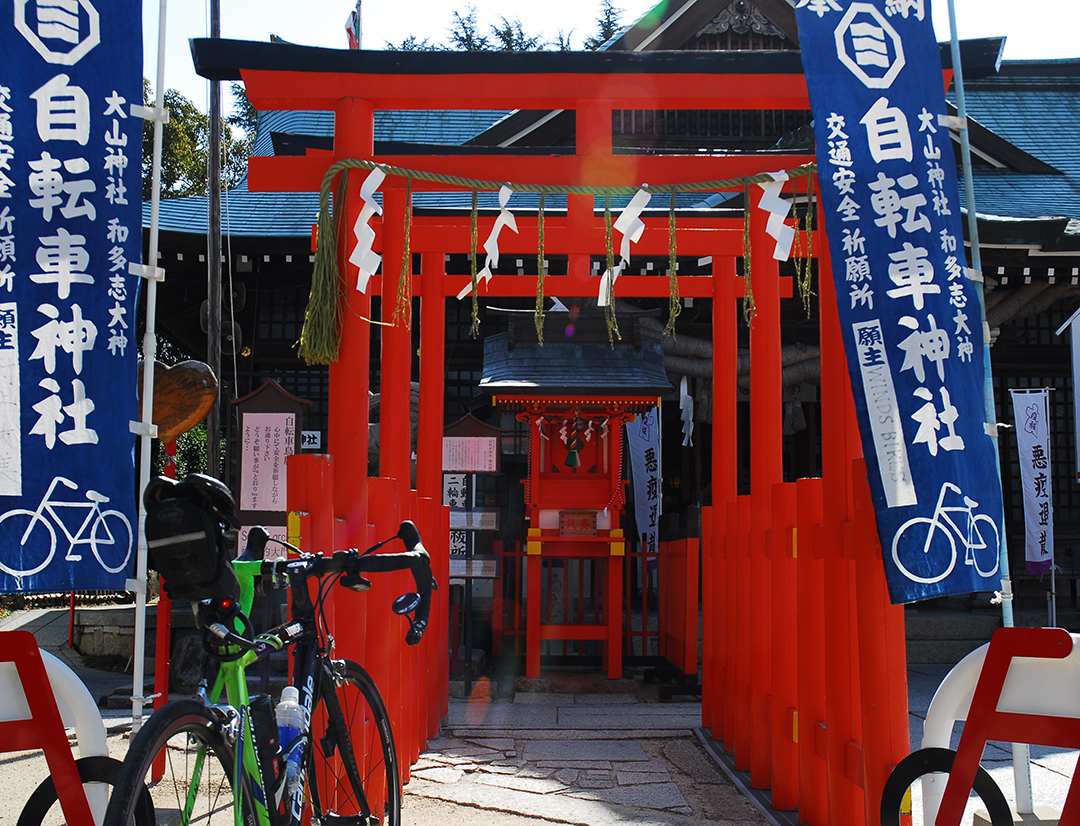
(416, 631)
(355, 582)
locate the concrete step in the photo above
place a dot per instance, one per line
(951, 626)
(940, 652)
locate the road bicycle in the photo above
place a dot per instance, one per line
(210, 762)
(921, 555)
(107, 532)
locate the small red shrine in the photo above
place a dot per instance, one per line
(575, 390)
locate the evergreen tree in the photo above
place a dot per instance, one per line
(185, 143)
(465, 32)
(607, 25)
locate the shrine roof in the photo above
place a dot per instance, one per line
(575, 358)
(1035, 106)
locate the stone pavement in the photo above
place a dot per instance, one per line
(593, 759)
(577, 756)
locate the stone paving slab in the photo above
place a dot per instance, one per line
(533, 785)
(612, 750)
(496, 743)
(635, 778)
(559, 808)
(442, 774)
(605, 699)
(502, 716)
(651, 796)
(574, 764)
(540, 699)
(578, 735)
(645, 710)
(576, 717)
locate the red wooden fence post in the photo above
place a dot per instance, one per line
(766, 469)
(744, 720)
(813, 784)
(841, 653)
(882, 655)
(429, 471)
(785, 648)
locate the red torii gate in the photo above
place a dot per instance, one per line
(804, 665)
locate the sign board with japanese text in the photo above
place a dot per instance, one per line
(266, 440)
(70, 224)
(909, 313)
(476, 454)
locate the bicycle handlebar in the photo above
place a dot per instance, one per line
(352, 562)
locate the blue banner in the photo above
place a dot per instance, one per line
(909, 312)
(70, 221)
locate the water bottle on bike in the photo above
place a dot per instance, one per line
(290, 720)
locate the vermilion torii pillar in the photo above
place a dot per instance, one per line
(354, 85)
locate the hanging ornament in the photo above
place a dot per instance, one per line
(631, 226)
(363, 256)
(778, 210)
(686, 406)
(491, 245)
(575, 445)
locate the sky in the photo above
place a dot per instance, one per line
(1048, 31)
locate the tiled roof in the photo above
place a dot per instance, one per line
(515, 362)
(1032, 104)
(288, 214)
(1036, 106)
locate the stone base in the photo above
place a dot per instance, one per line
(1043, 816)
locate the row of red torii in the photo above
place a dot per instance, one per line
(804, 668)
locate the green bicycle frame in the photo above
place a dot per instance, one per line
(232, 679)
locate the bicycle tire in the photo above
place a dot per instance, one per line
(917, 569)
(98, 769)
(181, 729)
(23, 535)
(332, 787)
(121, 538)
(996, 559)
(930, 761)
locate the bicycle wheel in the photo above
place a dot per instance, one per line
(197, 770)
(92, 770)
(930, 761)
(919, 562)
(112, 534)
(28, 540)
(353, 766)
(994, 547)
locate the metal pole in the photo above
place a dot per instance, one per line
(213, 287)
(1021, 752)
(149, 356)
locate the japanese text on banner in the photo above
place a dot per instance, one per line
(908, 311)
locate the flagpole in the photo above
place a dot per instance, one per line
(1021, 751)
(145, 428)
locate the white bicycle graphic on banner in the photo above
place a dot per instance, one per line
(922, 554)
(107, 532)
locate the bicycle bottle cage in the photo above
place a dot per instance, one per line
(189, 538)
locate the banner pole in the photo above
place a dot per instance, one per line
(149, 357)
(1021, 752)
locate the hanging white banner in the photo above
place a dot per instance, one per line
(1033, 445)
(643, 443)
(1074, 337)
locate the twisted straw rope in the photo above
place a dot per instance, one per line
(320, 339)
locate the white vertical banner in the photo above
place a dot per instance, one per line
(1033, 445)
(1074, 338)
(643, 443)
